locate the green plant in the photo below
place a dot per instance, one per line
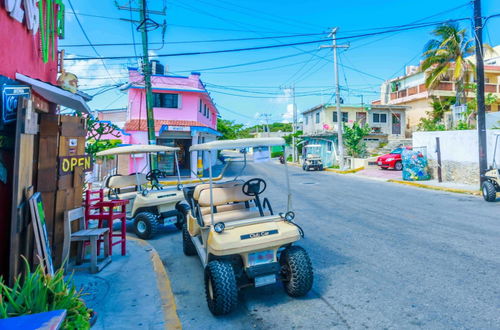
(289, 158)
(230, 130)
(275, 154)
(37, 293)
(427, 124)
(334, 166)
(382, 144)
(446, 54)
(463, 125)
(353, 137)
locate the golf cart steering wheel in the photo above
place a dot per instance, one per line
(153, 175)
(254, 187)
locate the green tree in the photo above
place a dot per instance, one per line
(353, 137)
(447, 52)
(98, 136)
(230, 130)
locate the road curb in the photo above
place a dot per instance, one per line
(169, 307)
(426, 186)
(346, 171)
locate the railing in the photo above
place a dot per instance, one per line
(443, 86)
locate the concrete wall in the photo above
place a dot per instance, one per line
(459, 153)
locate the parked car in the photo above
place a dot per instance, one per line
(391, 160)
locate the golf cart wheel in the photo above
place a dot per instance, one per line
(297, 271)
(220, 287)
(321, 167)
(489, 191)
(146, 225)
(187, 244)
(303, 167)
(398, 166)
(182, 216)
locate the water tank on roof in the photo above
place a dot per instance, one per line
(157, 67)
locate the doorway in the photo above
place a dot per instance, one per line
(396, 124)
(361, 118)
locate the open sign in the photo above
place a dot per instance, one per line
(67, 164)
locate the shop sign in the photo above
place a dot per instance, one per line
(179, 128)
(39, 15)
(10, 99)
(67, 164)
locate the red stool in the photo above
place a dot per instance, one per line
(98, 209)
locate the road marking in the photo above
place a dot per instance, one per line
(169, 307)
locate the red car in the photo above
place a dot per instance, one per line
(391, 160)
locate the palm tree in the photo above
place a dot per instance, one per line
(448, 52)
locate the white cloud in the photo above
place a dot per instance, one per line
(92, 73)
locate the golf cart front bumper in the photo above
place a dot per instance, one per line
(264, 269)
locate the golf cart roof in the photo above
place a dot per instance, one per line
(313, 146)
(238, 144)
(136, 149)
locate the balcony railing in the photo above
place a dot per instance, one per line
(443, 86)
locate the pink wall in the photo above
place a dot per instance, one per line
(191, 90)
(20, 51)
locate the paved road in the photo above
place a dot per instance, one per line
(385, 256)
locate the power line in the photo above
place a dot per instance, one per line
(200, 41)
(87, 37)
(409, 27)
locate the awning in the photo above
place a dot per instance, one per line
(55, 94)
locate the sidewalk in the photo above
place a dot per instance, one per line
(133, 292)
(396, 177)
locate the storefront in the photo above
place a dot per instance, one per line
(33, 137)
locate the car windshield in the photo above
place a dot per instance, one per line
(397, 151)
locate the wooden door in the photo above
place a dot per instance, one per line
(361, 118)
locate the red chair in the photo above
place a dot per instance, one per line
(98, 209)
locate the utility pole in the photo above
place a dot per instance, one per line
(337, 92)
(294, 126)
(481, 122)
(146, 71)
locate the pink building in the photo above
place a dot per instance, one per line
(184, 114)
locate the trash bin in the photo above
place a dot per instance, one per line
(415, 164)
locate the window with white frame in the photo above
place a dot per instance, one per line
(317, 117)
(345, 117)
(166, 100)
(307, 119)
(379, 117)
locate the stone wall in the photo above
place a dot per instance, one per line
(460, 172)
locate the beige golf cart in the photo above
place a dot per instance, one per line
(491, 182)
(239, 238)
(151, 204)
(312, 158)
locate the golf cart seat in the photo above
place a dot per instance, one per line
(229, 202)
(219, 208)
(124, 186)
(199, 188)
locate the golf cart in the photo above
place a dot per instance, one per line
(150, 204)
(239, 238)
(491, 183)
(311, 157)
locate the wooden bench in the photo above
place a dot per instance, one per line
(84, 235)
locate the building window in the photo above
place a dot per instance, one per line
(345, 117)
(164, 100)
(205, 110)
(380, 118)
(307, 119)
(317, 117)
(201, 106)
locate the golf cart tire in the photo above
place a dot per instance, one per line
(321, 167)
(150, 222)
(303, 167)
(183, 210)
(223, 297)
(398, 166)
(489, 191)
(187, 244)
(300, 275)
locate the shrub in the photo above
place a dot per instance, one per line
(275, 154)
(37, 293)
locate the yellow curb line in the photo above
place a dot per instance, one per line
(421, 185)
(168, 183)
(346, 171)
(169, 307)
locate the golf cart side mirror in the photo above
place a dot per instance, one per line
(145, 192)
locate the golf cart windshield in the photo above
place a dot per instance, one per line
(256, 144)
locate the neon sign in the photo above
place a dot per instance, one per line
(45, 19)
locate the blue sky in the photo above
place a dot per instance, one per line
(244, 92)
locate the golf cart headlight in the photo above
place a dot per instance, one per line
(219, 227)
(289, 216)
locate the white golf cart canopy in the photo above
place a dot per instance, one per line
(238, 144)
(136, 149)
